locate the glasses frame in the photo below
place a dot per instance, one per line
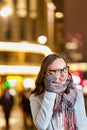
(59, 71)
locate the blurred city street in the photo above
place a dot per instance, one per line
(30, 30)
(16, 120)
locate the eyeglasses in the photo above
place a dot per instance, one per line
(59, 71)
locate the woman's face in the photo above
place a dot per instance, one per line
(59, 69)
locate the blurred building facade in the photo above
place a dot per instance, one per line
(26, 20)
(23, 20)
(62, 22)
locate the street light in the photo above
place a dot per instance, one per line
(5, 12)
(42, 39)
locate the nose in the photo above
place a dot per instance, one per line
(61, 73)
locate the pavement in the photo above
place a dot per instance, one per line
(16, 121)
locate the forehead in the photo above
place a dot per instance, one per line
(58, 64)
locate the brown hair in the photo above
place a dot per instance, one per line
(40, 87)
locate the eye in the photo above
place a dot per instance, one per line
(57, 71)
(66, 69)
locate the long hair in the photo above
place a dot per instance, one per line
(39, 83)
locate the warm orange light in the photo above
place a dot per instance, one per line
(25, 70)
(25, 47)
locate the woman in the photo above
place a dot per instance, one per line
(55, 103)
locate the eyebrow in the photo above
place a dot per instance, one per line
(58, 68)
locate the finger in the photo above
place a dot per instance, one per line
(51, 77)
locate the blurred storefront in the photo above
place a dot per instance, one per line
(20, 64)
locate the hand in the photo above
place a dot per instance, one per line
(49, 82)
(69, 81)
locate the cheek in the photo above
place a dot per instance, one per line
(62, 76)
(66, 75)
(62, 79)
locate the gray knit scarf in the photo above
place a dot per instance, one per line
(65, 102)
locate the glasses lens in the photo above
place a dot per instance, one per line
(66, 69)
(58, 71)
